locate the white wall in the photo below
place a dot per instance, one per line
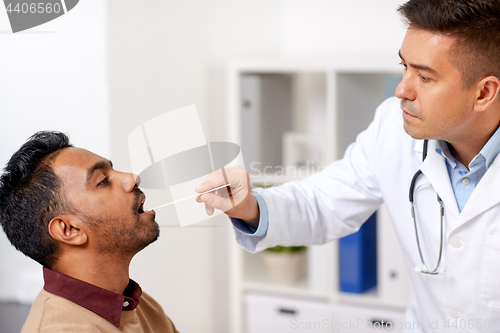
(52, 77)
(326, 28)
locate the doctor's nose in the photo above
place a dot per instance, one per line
(404, 89)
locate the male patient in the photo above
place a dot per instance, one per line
(69, 210)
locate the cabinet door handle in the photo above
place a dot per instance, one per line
(287, 311)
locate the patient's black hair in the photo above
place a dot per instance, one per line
(30, 196)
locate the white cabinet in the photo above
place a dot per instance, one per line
(333, 102)
(276, 314)
(362, 319)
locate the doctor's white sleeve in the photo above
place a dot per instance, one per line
(325, 206)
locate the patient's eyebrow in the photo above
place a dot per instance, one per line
(418, 66)
(98, 166)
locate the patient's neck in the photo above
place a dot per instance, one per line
(104, 271)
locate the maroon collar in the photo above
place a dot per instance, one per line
(102, 302)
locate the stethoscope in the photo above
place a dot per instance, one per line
(424, 268)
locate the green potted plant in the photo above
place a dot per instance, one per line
(286, 264)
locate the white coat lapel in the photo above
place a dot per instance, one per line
(434, 168)
(485, 194)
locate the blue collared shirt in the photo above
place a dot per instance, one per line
(263, 220)
(464, 181)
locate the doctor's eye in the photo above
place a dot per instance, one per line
(423, 78)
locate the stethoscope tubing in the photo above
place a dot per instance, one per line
(424, 268)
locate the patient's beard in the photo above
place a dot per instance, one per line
(115, 236)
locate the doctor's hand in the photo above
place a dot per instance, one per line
(237, 201)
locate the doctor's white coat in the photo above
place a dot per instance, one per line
(378, 168)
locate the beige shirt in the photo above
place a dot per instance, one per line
(53, 314)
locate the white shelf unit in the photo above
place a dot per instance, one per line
(337, 100)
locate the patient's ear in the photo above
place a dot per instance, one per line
(68, 229)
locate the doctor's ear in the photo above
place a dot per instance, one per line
(68, 229)
(487, 92)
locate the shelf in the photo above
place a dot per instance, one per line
(299, 290)
(369, 298)
(341, 65)
(302, 290)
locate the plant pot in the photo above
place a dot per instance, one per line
(285, 268)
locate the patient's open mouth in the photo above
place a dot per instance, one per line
(141, 206)
(141, 210)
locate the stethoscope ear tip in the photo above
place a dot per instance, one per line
(418, 269)
(442, 271)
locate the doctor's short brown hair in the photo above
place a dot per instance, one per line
(474, 23)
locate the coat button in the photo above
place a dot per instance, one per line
(125, 304)
(465, 181)
(453, 314)
(456, 243)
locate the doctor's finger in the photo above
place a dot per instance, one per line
(209, 210)
(214, 179)
(218, 202)
(236, 176)
(211, 200)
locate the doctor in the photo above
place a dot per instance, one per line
(448, 96)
